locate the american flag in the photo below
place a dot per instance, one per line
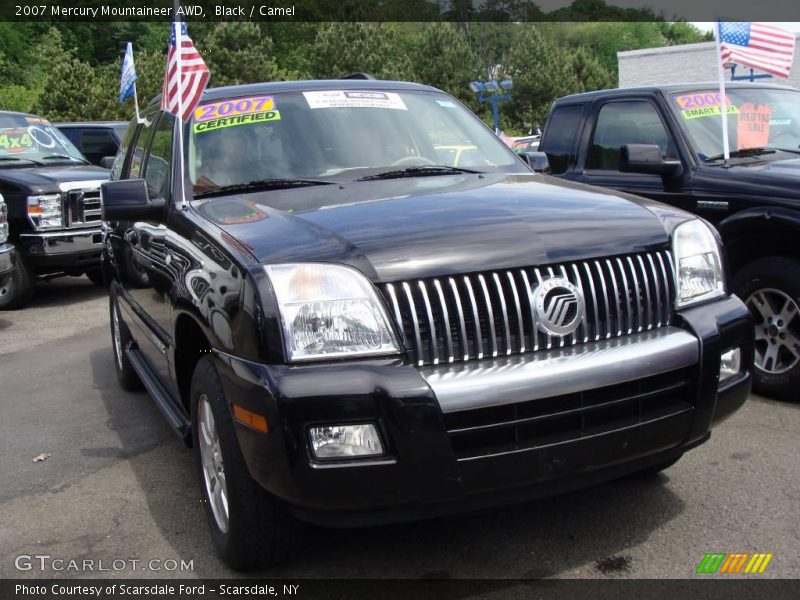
(182, 90)
(762, 46)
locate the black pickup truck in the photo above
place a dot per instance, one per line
(665, 143)
(53, 199)
(350, 328)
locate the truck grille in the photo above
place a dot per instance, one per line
(82, 207)
(561, 419)
(476, 315)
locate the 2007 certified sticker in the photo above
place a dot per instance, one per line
(237, 111)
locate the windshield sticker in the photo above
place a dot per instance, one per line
(248, 119)
(232, 108)
(702, 104)
(753, 125)
(15, 141)
(37, 120)
(354, 99)
(701, 100)
(446, 103)
(696, 113)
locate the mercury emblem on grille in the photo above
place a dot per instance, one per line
(559, 306)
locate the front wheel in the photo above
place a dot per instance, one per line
(120, 338)
(770, 287)
(17, 288)
(249, 527)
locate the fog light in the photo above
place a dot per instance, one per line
(730, 364)
(342, 441)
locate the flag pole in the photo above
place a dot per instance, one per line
(723, 102)
(179, 120)
(136, 104)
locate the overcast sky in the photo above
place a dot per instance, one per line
(708, 26)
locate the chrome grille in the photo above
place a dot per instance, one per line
(477, 315)
(82, 207)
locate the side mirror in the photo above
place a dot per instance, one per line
(129, 200)
(107, 162)
(538, 161)
(646, 158)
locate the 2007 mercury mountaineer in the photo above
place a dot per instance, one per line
(352, 323)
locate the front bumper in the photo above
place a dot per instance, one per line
(8, 258)
(493, 431)
(64, 249)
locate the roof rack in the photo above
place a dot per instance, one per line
(359, 76)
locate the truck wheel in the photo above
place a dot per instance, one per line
(17, 288)
(250, 528)
(120, 338)
(770, 287)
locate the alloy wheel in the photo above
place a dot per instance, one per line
(777, 343)
(211, 460)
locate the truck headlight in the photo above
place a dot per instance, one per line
(330, 311)
(45, 211)
(698, 264)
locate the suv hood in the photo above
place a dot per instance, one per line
(436, 226)
(46, 179)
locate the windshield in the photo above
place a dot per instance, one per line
(338, 135)
(757, 118)
(27, 140)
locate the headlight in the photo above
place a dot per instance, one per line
(698, 264)
(330, 311)
(3, 221)
(45, 211)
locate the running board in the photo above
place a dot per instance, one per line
(176, 415)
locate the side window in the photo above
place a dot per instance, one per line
(73, 135)
(157, 167)
(559, 140)
(142, 138)
(98, 143)
(127, 140)
(620, 123)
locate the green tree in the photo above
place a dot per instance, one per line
(441, 56)
(343, 48)
(240, 52)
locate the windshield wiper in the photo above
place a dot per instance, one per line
(18, 158)
(259, 185)
(751, 152)
(418, 171)
(62, 156)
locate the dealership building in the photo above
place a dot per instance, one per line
(687, 63)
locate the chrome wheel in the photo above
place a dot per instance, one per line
(115, 334)
(777, 343)
(211, 460)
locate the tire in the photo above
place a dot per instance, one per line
(257, 529)
(17, 288)
(120, 338)
(96, 277)
(770, 287)
(655, 469)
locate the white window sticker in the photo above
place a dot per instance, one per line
(446, 103)
(354, 99)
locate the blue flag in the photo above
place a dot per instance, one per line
(127, 77)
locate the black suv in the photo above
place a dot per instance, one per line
(350, 330)
(53, 199)
(665, 143)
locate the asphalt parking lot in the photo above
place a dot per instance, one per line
(118, 484)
